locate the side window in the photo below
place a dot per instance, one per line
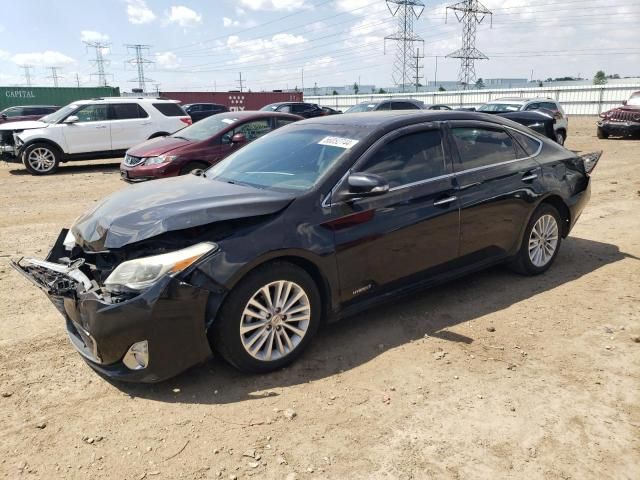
(481, 147)
(550, 106)
(142, 113)
(92, 113)
(32, 111)
(253, 130)
(411, 158)
(207, 108)
(384, 106)
(124, 111)
(533, 106)
(403, 106)
(528, 144)
(169, 109)
(302, 108)
(281, 122)
(285, 109)
(13, 112)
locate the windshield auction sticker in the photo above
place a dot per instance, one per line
(338, 142)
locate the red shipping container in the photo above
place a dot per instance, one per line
(235, 101)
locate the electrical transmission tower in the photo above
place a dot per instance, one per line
(54, 75)
(407, 12)
(139, 61)
(27, 74)
(470, 13)
(100, 61)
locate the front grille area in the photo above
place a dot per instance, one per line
(6, 138)
(131, 161)
(625, 116)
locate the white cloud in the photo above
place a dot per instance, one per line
(168, 60)
(46, 58)
(139, 13)
(360, 7)
(228, 22)
(273, 50)
(273, 4)
(183, 16)
(4, 55)
(92, 36)
(320, 63)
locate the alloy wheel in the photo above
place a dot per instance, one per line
(543, 240)
(275, 320)
(41, 159)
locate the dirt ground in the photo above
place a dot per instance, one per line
(494, 376)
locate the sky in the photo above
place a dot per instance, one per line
(204, 45)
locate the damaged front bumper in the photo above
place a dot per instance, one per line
(145, 338)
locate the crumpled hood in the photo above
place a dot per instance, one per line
(149, 209)
(158, 146)
(26, 125)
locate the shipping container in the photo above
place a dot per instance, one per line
(235, 101)
(60, 96)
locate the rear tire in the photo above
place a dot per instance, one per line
(260, 334)
(602, 135)
(41, 159)
(191, 166)
(560, 138)
(540, 243)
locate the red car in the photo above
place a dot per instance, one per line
(27, 112)
(200, 145)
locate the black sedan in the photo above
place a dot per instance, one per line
(315, 221)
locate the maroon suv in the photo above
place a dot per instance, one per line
(27, 112)
(199, 145)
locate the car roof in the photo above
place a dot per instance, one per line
(398, 118)
(522, 100)
(125, 100)
(248, 114)
(289, 103)
(32, 106)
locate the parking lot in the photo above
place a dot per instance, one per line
(491, 376)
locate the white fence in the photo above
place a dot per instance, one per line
(576, 100)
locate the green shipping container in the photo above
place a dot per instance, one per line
(11, 96)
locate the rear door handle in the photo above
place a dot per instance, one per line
(147, 123)
(101, 126)
(528, 177)
(444, 201)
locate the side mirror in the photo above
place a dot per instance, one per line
(71, 119)
(624, 102)
(239, 138)
(364, 185)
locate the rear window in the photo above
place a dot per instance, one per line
(500, 107)
(170, 109)
(404, 106)
(528, 144)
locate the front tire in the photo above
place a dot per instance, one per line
(560, 138)
(190, 167)
(268, 319)
(41, 159)
(541, 242)
(602, 135)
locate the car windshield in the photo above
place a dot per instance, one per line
(362, 107)
(270, 108)
(288, 159)
(206, 128)
(635, 99)
(55, 117)
(500, 107)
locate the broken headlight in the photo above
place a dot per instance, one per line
(143, 272)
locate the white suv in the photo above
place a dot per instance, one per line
(517, 104)
(89, 129)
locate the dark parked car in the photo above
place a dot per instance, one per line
(27, 112)
(385, 105)
(198, 146)
(540, 121)
(198, 111)
(315, 221)
(622, 121)
(306, 110)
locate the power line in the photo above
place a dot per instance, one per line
(139, 61)
(27, 74)
(470, 13)
(99, 62)
(405, 11)
(54, 75)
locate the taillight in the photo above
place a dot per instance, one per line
(186, 120)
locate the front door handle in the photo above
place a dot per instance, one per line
(529, 177)
(444, 201)
(101, 126)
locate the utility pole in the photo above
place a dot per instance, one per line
(77, 80)
(315, 88)
(99, 62)
(54, 75)
(157, 85)
(139, 61)
(27, 74)
(303, 80)
(417, 67)
(241, 83)
(470, 13)
(406, 11)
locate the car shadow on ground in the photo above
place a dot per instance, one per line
(355, 341)
(72, 169)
